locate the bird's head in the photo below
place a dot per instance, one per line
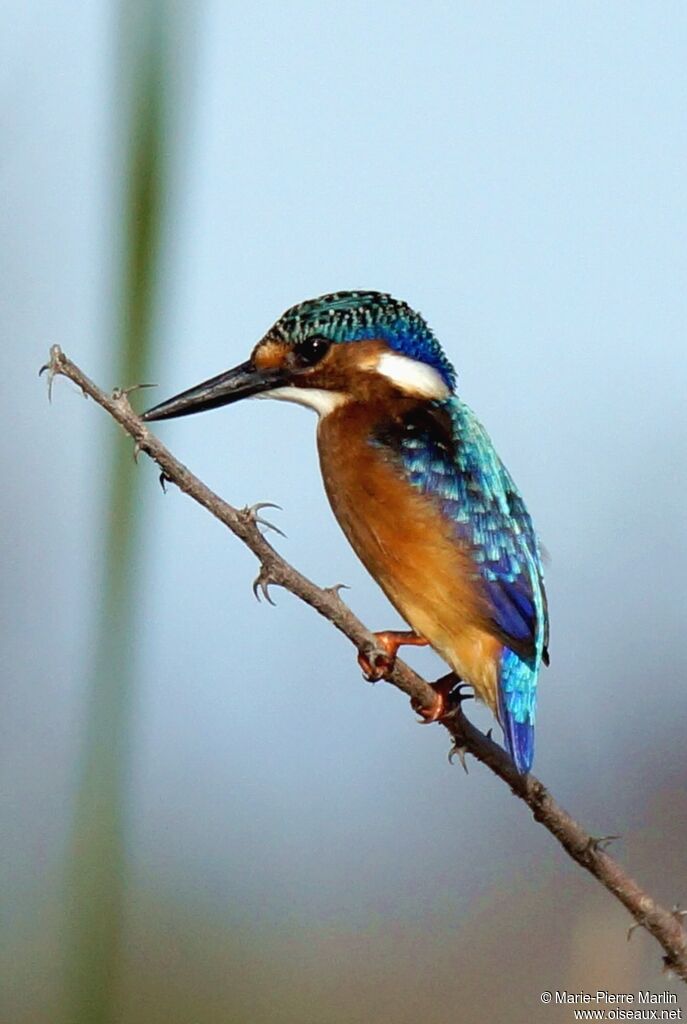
(347, 346)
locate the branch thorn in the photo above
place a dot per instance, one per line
(459, 751)
(119, 393)
(52, 367)
(261, 585)
(597, 843)
(669, 964)
(251, 512)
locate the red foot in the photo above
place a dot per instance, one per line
(389, 641)
(442, 689)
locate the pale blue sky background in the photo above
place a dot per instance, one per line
(516, 172)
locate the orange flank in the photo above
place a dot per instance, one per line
(407, 545)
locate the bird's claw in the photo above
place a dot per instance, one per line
(458, 694)
(449, 695)
(261, 585)
(163, 480)
(252, 513)
(376, 664)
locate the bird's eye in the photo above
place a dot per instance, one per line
(310, 350)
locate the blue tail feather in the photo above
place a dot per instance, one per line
(519, 738)
(517, 703)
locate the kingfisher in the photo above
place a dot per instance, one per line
(418, 489)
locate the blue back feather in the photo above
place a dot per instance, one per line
(475, 491)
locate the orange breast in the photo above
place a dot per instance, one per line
(408, 547)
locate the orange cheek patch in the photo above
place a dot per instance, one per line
(270, 354)
(362, 356)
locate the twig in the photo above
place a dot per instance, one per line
(665, 925)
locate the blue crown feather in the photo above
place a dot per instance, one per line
(361, 316)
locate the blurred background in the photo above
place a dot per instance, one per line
(206, 815)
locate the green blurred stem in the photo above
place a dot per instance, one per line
(96, 870)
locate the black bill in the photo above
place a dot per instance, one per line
(241, 382)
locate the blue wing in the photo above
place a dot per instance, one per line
(447, 454)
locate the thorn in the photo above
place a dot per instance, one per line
(51, 367)
(459, 751)
(252, 510)
(669, 964)
(632, 928)
(677, 913)
(119, 393)
(336, 588)
(164, 479)
(596, 843)
(251, 513)
(137, 451)
(269, 526)
(261, 585)
(489, 734)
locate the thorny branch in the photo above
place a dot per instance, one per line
(589, 851)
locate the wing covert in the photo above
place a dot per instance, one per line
(447, 454)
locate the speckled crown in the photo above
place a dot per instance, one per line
(359, 316)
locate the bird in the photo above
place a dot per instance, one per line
(418, 489)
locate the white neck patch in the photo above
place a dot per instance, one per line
(323, 402)
(412, 377)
